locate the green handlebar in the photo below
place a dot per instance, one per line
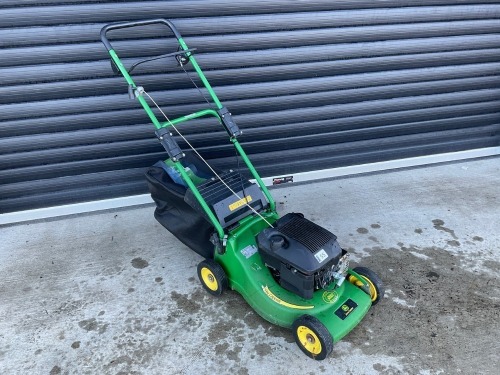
(204, 112)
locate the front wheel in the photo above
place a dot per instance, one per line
(375, 286)
(312, 337)
(212, 277)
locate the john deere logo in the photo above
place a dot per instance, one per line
(330, 297)
(346, 309)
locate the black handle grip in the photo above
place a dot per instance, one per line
(123, 25)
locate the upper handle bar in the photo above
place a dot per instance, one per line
(123, 25)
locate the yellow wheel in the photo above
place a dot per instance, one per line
(212, 277)
(208, 278)
(312, 337)
(375, 286)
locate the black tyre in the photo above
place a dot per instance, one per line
(376, 286)
(312, 337)
(212, 277)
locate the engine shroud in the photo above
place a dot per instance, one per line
(301, 254)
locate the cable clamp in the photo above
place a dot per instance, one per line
(227, 121)
(135, 92)
(169, 143)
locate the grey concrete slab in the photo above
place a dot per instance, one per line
(115, 293)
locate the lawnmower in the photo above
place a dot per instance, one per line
(291, 271)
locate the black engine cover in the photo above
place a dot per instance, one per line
(298, 250)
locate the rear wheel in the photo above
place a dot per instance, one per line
(212, 277)
(375, 286)
(312, 337)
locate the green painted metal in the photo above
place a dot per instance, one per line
(150, 113)
(180, 168)
(130, 81)
(201, 74)
(203, 112)
(121, 67)
(253, 171)
(250, 277)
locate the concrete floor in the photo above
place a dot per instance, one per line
(115, 293)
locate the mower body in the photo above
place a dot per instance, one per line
(249, 275)
(291, 271)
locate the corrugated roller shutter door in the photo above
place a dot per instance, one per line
(313, 84)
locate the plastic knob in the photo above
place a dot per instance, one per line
(277, 242)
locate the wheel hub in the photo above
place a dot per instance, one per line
(310, 338)
(209, 279)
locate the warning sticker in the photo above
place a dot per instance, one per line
(249, 251)
(241, 202)
(282, 180)
(321, 255)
